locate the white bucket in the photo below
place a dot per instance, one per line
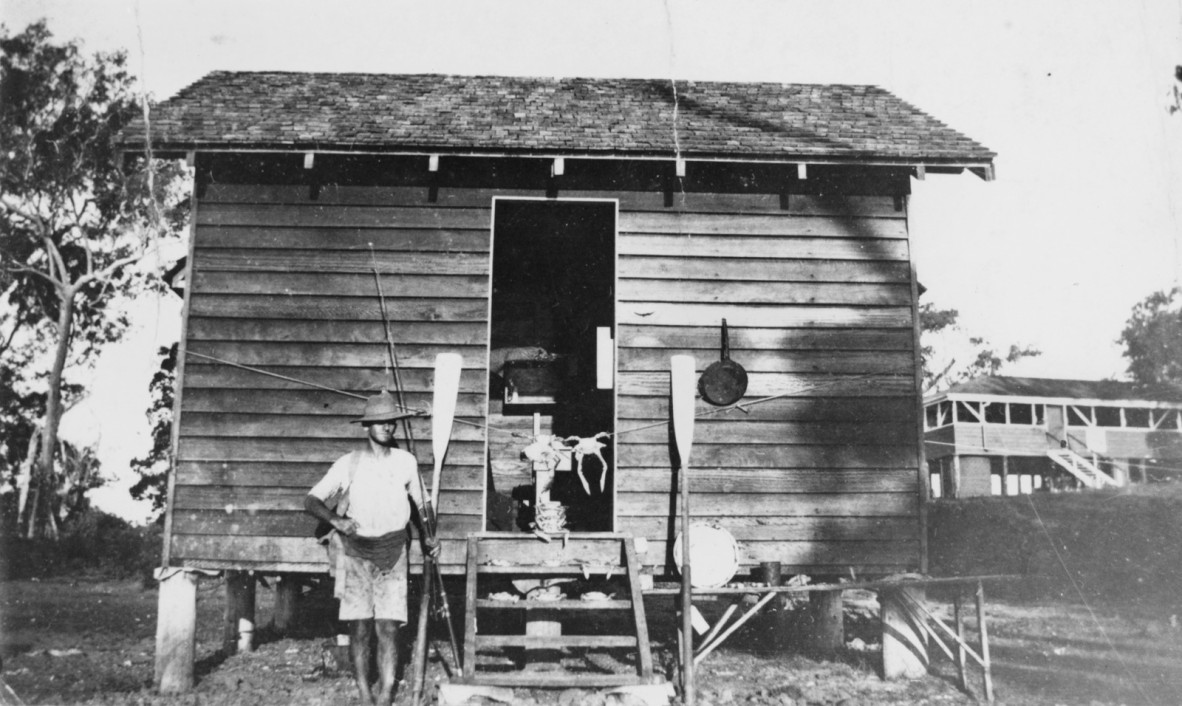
(714, 555)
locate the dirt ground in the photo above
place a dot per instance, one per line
(80, 642)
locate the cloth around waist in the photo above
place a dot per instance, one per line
(383, 551)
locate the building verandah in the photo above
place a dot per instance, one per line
(1011, 436)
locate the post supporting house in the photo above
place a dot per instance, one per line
(566, 237)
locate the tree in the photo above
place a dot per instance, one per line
(73, 225)
(945, 348)
(153, 468)
(1152, 338)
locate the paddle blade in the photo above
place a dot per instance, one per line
(683, 383)
(443, 406)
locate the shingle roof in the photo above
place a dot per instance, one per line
(1068, 389)
(543, 115)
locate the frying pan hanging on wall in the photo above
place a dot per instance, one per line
(724, 381)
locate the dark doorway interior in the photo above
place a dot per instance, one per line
(553, 291)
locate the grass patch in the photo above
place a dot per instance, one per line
(1121, 545)
(95, 545)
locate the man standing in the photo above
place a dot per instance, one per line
(372, 489)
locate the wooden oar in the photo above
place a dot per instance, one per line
(448, 367)
(443, 412)
(683, 383)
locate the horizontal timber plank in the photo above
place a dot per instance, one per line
(629, 200)
(527, 550)
(247, 500)
(303, 476)
(764, 315)
(792, 385)
(556, 641)
(312, 214)
(630, 455)
(341, 284)
(552, 680)
(282, 524)
(771, 361)
(339, 355)
(774, 481)
(355, 381)
(784, 339)
(382, 240)
(308, 402)
(261, 568)
(639, 410)
(763, 292)
(246, 306)
(718, 506)
(734, 431)
(246, 524)
(453, 333)
(301, 550)
(761, 224)
(788, 529)
(563, 604)
(739, 269)
(222, 449)
(754, 247)
(232, 424)
(813, 552)
(797, 204)
(260, 260)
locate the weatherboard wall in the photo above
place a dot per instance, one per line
(812, 276)
(816, 291)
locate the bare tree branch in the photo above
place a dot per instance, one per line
(57, 284)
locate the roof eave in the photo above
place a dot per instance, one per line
(981, 165)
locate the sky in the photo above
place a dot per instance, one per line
(1081, 223)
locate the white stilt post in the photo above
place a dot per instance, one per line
(176, 631)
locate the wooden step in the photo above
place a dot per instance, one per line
(577, 554)
(611, 604)
(558, 570)
(555, 641)
(555, 679)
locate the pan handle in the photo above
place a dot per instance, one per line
(726, 347)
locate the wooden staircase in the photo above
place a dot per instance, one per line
(1087, 472)
(513, 555)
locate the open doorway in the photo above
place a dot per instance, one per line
(552, 363)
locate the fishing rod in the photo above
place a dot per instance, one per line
(430, 515)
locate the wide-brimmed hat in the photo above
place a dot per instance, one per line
(382, 408)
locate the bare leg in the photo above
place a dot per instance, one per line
(359, 649)
(387, 659)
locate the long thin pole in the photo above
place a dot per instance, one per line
(430, 521)
(268, 373)
(985, 663)
(418, 665)
(396, 370)
(681, 381)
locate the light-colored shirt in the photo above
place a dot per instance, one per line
(378, 497)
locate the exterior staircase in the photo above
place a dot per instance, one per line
(498, 555)
(1082, 468)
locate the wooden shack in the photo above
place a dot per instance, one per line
(997, 435)
(566, 237)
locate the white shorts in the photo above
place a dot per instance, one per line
(369, 593)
